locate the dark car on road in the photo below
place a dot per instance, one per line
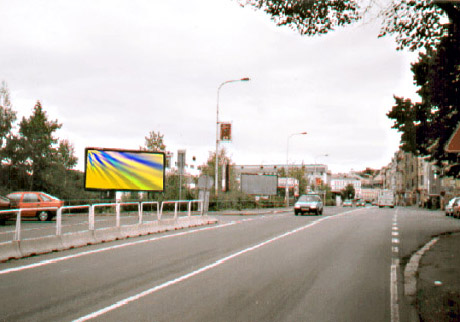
(42, 205)
(310, 204)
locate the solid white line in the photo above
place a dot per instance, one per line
(198, 271)
(394, 271)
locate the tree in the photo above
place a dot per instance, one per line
(348, 192)
(7, 115)
(209, 168)
(416, 23)
(296, 173)
(36, 141)
(37, 160)
(427, 126)
(309, 17)
(154, 142)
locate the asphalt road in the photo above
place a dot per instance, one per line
(342, 266)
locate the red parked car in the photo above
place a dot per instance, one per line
(4, 205)
(32, 199)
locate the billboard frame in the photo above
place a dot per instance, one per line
(247, 175)
(128, 151)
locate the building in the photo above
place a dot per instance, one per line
(340, 181)
(315, 174)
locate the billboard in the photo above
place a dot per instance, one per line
(124, 170)
(262, 185)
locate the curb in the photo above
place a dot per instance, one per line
(410, 271)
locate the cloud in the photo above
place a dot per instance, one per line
(111, 72)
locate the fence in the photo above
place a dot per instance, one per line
(92, 209)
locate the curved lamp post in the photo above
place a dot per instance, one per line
(287, 166)
(217, 128)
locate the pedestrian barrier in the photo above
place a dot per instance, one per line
(144, 203)
(179, 202)
(20, 247)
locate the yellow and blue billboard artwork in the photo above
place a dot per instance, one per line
(124, 170)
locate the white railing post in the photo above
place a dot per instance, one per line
(17, 232)
(175, 210)
(91, 217)
(139, 211)
(59, 222)
(117, 207)
(189, 207)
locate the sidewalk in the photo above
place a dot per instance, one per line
(438, 282)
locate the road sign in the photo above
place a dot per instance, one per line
(226, 131)
(453, 145)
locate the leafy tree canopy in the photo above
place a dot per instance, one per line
(309, 17)
(348, 192)
(7, 115)
(415, 23)
(426, 127)
(154, 142)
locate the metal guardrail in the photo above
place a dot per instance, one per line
(91, 212)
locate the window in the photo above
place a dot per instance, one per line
(30, 197)
(14, 196)
(45, 197)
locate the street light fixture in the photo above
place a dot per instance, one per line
(287, 166)
(245, 79)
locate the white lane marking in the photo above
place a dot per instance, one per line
(198, 271)
(394, 304)
(394, 294)
(100, 250)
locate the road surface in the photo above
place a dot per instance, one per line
(342, 266)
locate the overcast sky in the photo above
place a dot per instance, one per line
(112, 71)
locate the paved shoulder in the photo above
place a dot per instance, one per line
(438, 286)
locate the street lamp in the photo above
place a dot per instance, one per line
(287, 166)
(217, 128)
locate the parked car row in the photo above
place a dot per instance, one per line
(453, 207)
(41, 205)
(358, 203)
